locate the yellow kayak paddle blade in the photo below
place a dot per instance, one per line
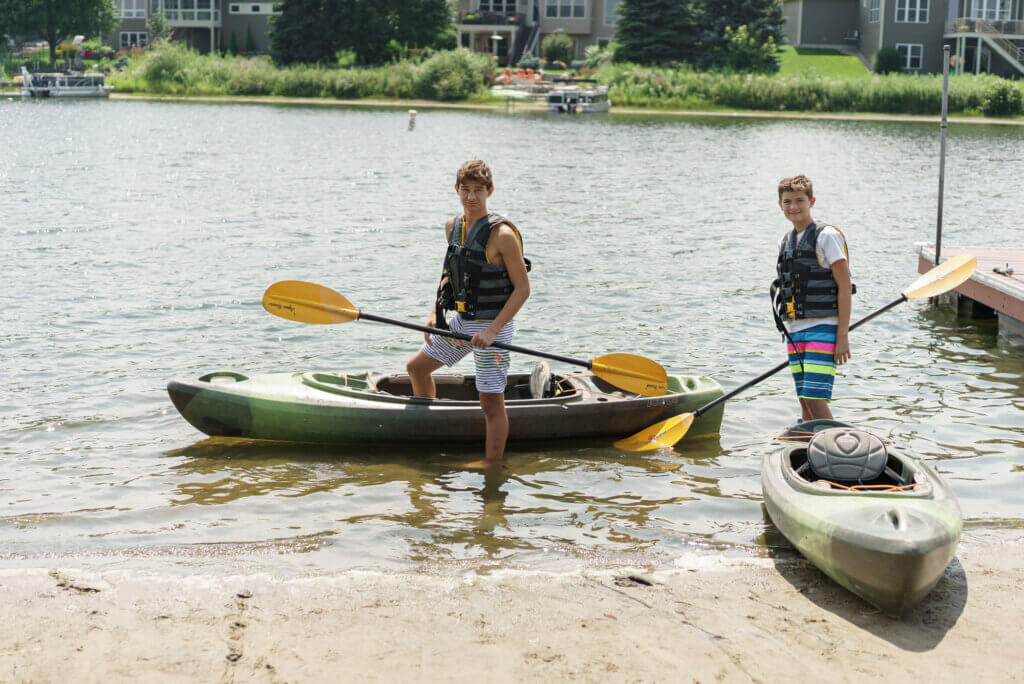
(943, 277)
(308, 303)
(632, 373)
(661, 435)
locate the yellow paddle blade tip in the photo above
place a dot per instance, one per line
(297, 300)
(943, 278)
(661, 435)
(632, 373)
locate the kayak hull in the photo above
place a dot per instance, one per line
(889, 548)
(330, 408)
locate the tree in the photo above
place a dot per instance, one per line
(746, 52)
(763, 19)
(159, 28)
(56, 18)
(315, 30)
(558, 47)
(656, 31)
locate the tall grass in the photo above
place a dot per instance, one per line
(174, 69)
(631, 84)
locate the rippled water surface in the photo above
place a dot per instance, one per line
(139, 237)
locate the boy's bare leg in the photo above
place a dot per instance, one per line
(815, 409)
(419, 368)
(497, 425)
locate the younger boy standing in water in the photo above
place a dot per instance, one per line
(812, 298)
(485, 282)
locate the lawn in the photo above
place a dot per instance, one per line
(826, 62)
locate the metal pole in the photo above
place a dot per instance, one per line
(942, 149)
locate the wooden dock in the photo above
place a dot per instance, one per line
(987, 294)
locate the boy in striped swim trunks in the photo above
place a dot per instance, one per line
(812, 298)
(484, 280)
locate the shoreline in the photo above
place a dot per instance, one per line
(708, 618)
(519, 106)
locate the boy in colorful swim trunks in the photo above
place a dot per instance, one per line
(485, 282)
(812, 298)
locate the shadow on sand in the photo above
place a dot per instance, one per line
(921, 629)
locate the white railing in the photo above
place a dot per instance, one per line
(970, 25)
(990, 32)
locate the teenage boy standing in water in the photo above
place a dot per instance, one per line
(485, 282)
(811, 298)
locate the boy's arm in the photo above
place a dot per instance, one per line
(841, 274)
(512, 257)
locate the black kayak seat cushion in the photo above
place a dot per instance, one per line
(846, 455)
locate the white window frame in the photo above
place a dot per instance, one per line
(131, 9)
(908, 56)
(611, 12)
(875, 12)
(141, 39)
(912, 11)
(565, 9)
(506, 7)
(991, 10)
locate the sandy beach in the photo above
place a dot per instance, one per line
(707, 619)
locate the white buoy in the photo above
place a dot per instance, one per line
(412, 119)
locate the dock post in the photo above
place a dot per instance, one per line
(942, 151)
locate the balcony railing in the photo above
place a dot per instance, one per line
(972, 25)
(491, 18)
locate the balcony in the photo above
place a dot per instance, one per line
(1008, 29)
(185, 13)
(491, 18)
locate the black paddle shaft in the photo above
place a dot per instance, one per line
(467, 338)
(782, 365)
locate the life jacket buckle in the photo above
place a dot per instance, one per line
(460, 307)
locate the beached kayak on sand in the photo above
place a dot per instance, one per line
(874, 518)
(370, 407)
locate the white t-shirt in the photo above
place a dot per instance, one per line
(830, 249)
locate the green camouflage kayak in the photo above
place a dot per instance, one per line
(877, 520)
(367, 408)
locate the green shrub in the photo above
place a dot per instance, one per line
(1002, 99)
(887, 61)
(749, 52)
(597, 55)
(529, 61)
(558, 47)
(454, 75)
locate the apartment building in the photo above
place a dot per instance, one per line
(202, 24)
(509, 28)
(984, 35)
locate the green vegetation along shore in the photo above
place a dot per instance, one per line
(461, 76)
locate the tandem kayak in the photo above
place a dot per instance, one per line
(875, 519)
(367, 408)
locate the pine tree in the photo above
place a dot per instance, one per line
(303, 32)
(656, 31)
(763, 19)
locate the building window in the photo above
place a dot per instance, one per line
(132, 39)
(131, 9)
(235, 9)
(255, 9)
(563, 9)
(499, 6)
(912, 11)
(611, 11)
(910, 55)
(993, 10)
(875, 11)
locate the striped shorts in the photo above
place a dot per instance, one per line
(491, 363)
(816, 348)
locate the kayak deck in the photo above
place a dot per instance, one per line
(367, 408)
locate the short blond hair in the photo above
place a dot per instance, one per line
(475, 170)
(797, 183)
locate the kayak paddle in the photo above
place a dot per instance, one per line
(311, 303)
(938, 280)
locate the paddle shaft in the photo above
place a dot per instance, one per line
(773, 371)
(467, 338)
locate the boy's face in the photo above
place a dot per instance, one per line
(796, 206)
(473, 195)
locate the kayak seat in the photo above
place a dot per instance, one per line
(847, 455)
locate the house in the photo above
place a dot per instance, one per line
(509, 29)
(984, 35)
(202, 24)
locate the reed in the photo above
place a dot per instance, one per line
(634, 85)
(174, 69)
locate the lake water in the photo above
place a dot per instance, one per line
(139, 238)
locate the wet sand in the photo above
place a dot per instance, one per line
(708, 619)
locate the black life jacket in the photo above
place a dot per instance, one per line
(804, 288)
(475, 288)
